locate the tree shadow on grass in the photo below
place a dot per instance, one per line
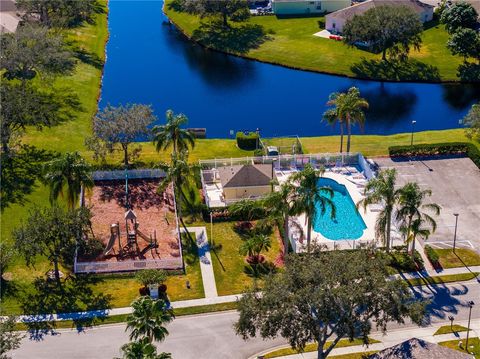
(88, 58)
(238, 39)
(410, 70)
(20, 170)
(70, 301)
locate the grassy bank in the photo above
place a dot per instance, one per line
(290, 42)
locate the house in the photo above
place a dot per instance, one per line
(246, 181)
(419, 349)
(303, 7)
(335, 21)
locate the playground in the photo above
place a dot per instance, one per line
(135, 224)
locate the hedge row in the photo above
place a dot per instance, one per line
(248, 141)
(432, 256)
(447, 148)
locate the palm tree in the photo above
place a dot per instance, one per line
(148, 318)
(247, 209)
(142, 349)
(415, 230)
(381, 190)
(352, 109)
(278, 205)
(68, 173)
(412, 207)
(171, 134)
(254, 246)
(335, 114)
(311, 199)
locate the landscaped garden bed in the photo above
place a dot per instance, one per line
(460, 258)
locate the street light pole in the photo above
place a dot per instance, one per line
(413, 128)
(470, 304)
(455, 235)
(451, 318)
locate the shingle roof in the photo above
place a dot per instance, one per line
(361, 8)
(245, 175)
(419, 349)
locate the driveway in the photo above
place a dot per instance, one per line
(455, 186)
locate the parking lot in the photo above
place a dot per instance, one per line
(455, 186)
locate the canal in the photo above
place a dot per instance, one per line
(150, 62)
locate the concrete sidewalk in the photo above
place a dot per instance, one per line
(393, 337)
(208, 277)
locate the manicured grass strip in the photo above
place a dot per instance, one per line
(442, 279)
(473, 346)
(122, 318)
(447, 329)
(312, 347)
(461, 258)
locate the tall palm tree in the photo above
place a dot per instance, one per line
(412, 207)
(353, 110)
(311, 199)
(278, 205)
(66, 175)
(148, 318)
(335, 114)
(381, 190)
(171, 134)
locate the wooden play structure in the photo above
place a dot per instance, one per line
(131, 246)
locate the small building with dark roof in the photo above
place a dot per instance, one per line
(419, 349)
(246, 181)
(335, 21)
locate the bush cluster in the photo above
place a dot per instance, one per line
(248, 141)
(447, 148)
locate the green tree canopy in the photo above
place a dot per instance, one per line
(388, 28)
(465, 42)
(472, 121)
(60, 13)
(326, 296)
(234, 10)
(52, 233)
(66, 175)
(142, 349)
(460, 14)
(32, 50)
(9, 338)
(120, 126)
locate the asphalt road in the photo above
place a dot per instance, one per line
(212, 336)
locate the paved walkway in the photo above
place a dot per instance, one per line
(393, 337)
(208, 277)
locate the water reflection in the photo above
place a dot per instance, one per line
(461, 96)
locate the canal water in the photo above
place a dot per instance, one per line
(150, 62)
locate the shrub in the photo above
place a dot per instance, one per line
(151, 276)
(248, 141)
(452, 148)
(243, 228)
(403, 261)
(432, 255)
(258, 152)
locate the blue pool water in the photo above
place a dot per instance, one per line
(149, 61)
(348, 224)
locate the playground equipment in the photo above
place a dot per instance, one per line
(133, 233)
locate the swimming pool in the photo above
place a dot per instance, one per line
(348, 223)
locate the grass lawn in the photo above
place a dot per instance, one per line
(442, 279)
(461, 258)
(312, 347)
(290, 42)
(447, 329)
(228, 264)
(473, 346)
